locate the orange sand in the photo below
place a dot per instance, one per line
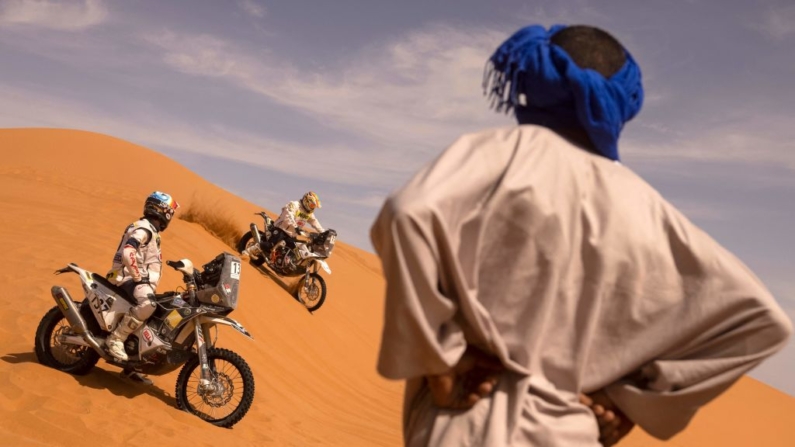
(64, 198)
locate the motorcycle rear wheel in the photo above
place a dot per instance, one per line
(72, 359)
(246, 241)
(313, 295)
(231, 399)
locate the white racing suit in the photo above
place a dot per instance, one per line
(293, 216)
(136, 269)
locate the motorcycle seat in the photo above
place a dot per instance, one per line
(116, 289)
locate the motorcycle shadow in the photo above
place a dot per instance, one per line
(101, 379)
(289, 287)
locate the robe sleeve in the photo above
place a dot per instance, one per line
(735, 324)
(417, 235)
(419, 336)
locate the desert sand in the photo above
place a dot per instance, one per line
(66, 197)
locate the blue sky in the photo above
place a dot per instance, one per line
(269, 99)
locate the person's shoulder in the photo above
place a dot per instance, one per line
(507, 136)
(485, 150)
(143, 225)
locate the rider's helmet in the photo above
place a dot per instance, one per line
(310, 201)
(160, 206)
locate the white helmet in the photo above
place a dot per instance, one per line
(310, 201)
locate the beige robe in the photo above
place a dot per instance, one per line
(578, 275)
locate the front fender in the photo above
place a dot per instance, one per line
(204, 319)
(324, 265)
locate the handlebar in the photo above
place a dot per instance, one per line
(188, 279)
(164, 296)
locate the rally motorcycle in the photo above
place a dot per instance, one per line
(305, 260)
(214, 384)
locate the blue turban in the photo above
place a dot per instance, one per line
(557, 93)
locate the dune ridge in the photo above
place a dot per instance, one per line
(66, 197)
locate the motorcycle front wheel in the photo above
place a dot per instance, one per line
(311, 291)
(72, 359)
(229, 395)
(246, 241)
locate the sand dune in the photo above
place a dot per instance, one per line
(66, 197)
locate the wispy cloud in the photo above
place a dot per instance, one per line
(56, 15)
(340, 164)
(768, 140)
(416, 92)
(252, 8)
(777, 23)
(201, 55)
(369, 201)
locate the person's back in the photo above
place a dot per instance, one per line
(576, 275)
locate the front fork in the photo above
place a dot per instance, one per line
(201, 347)
(313, 268)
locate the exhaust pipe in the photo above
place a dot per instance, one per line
(69, 310)
(72, 315)
(255, 234)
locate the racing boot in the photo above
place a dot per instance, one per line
(252, 251)
(115, 341)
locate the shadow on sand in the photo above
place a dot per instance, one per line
(290, 288)
(101, 379)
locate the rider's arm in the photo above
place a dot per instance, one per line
(315, 223)
(288, 216)
(137, 238)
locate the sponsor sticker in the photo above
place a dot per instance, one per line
(173, 319)
(215, 298)
(147, 334)
(227, 289)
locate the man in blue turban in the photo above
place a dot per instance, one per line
(527, 268)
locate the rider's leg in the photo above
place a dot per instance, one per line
(133, 319)
(277, 236)
(264, 248)
(252, 251)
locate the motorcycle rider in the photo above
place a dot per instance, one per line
(294, 217)
(136, 267)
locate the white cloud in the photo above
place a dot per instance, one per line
(768, 140)
(252, 8)
(416, 94)
(202, 55)
(370, 201)
(777, 23)
(27, 108)
(57, 15)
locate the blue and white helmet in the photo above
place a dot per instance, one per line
(160, 206)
